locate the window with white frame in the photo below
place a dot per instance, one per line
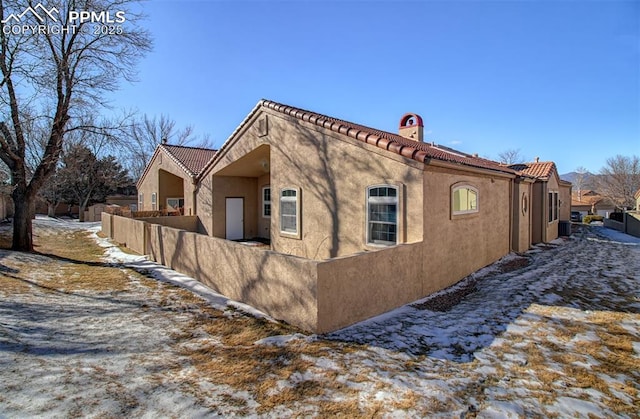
(464, 199)
(140, 202)
(382, 215)
(153, 202)
(266, 201)
(553, 206)
(289, 211)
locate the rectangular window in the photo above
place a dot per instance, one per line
(465, 200)
(553, 206)
(289, 211)
(140, 202)
(153, 202)
(175, 204)
(266, 201)
(382, 215)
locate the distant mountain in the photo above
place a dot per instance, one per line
(588, 180)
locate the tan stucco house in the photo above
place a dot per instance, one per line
(358, 221)
(550, 201)
(170, 178)
(591, 202)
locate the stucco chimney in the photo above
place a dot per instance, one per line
(411, 127)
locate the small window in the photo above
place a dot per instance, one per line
(153, 202)
(289, 211)
(175, 204)
(266, 202)
(140, 202)
(464, 200)
(382, 215)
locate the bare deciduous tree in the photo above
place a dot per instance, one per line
(619, 180)
(148, 132)
(510, 156)
(581, 179)
(52, 78)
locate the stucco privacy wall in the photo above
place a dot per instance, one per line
(126, 231)
(357, 287)
(632, 223)
(188, 223)
(331, 173)
(131, 233)
(281, 285)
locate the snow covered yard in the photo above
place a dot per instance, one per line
(88, 330)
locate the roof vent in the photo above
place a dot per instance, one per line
(412, 127)
(537, 159)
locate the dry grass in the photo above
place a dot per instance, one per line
(220, 348)
(558, 364)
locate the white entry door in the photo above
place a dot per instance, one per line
(235, 218)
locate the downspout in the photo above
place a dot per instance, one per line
(194, 201)
(512, 218)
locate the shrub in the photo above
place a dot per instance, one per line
(587, 219)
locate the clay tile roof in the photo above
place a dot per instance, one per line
(637, 195)
(191, 159)
(540, 170)
(415, 150)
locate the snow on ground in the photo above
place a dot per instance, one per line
(558, 337)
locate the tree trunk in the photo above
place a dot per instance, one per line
(81, 213)
(22, 238)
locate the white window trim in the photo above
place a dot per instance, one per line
(291, 234)
(140, 201)
(266, 202)
(154, 201)
(459, 186)
(176, 197)
(396, 200)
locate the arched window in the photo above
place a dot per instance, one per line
(382, 215)
(464, 199)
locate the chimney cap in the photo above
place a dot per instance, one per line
(410, 120)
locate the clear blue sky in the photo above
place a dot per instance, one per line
(555, 79)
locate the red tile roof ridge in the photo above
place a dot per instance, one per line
(187, 163)
(191, 147)
(419, 151)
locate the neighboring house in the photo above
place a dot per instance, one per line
(591, 202)
(6, 204)
(359, 221)
(169, 180)
(637, 197)
(129, 201)
(551, 199)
